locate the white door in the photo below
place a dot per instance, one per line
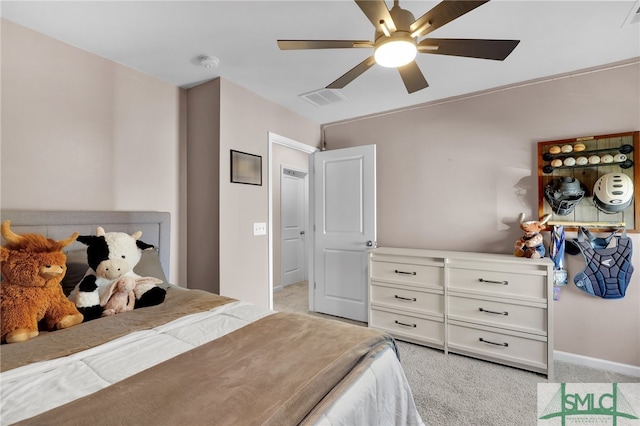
(345, 229)
(292, 222)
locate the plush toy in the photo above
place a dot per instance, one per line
(531, 245)
(111, 257)
(121, 297)
(32, 268)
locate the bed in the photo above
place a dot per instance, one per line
(198, 358)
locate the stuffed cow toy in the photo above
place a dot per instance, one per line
(30, 292)
(112, 257)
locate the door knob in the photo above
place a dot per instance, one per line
(301, 232)
(369, 243)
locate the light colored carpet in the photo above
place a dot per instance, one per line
(458, 390)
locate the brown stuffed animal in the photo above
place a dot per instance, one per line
(531, 245)
(30, 291)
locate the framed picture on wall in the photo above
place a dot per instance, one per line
(246, 168)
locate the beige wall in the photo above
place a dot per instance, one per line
(455, 175)
(83, 133)
(225, 257)
(245, 122)
(203, 183)
(116, 139)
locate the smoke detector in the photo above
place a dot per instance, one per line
(209, 62)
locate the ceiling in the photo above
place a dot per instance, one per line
(164, 39)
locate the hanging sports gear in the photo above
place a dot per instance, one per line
(596, 242)
(613, 193)
(556, 253)
(608, 270)
(564, 194)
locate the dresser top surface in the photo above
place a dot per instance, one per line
(458, 255)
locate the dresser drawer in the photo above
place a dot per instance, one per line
(493, 344)
(402, 298)
(527, 319)
(500, 283)
(421, 329)
(406, 273)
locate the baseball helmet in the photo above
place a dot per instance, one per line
(613, 193)
(563, 194)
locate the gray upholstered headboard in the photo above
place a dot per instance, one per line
(155, 226)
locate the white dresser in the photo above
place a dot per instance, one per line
(490, 306)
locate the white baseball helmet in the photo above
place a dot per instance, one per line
(613, 192)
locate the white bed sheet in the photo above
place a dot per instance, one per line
(380, 396)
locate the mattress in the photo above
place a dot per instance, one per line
(373, 390)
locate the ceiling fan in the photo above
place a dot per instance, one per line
(396, 41)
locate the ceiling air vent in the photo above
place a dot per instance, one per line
(323, 97)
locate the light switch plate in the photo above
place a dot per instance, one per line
(260, 228)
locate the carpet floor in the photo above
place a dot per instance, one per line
(457, 390)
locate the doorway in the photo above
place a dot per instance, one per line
(340, 282)
(294, 217)
(285, 154)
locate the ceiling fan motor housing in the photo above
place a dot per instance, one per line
(402, 19)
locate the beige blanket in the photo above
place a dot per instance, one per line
(271, 372)
(51, 345)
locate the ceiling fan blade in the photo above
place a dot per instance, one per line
(473, 48)
(322, 44)
(442, 14)
(376, 11)
(412, 77)
(352, 74)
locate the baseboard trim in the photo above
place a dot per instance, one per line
(602, 364)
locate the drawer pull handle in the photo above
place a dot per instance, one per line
(404, 273)
(410, 299)
(406, 325)
(506, 345)
(505, 313)
(482, 280)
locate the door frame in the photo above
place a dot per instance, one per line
(274, 138)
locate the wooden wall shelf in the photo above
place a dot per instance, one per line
(585, 213)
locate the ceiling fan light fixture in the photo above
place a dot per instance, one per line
(396, 52)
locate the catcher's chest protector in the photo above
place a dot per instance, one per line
(608, 270)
